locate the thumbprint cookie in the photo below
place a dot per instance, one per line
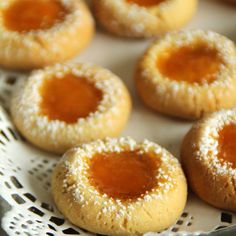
(38, 33)
(188, 74)
(119, 187)
(209, 159)
(143, 18)
(67, 104)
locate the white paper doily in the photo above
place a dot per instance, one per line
(25, 184)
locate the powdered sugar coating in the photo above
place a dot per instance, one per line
(134, 12)
(181, 98)
(29, 102)
(76, 166)
(21, 48)
(207, 145)
(225, 49)
(26, 111)
(132, 20)
(71, 18)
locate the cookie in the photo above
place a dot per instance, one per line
(143, 18)
(188, 74)
(208, 157)
(120, 187)
(68, 104)
(38, 33)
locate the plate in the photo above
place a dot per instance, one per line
(25, 170)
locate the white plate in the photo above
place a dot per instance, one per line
(25, 170)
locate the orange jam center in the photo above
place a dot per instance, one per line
(69, 98)
(146, 3)
(126, 175)
(26, 15)
(196, 64)
(226, 146)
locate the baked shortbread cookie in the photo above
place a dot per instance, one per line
(38, 33)
(120, 187)
(143, 18)
(68, 104)
(208, 157)
(188, 74)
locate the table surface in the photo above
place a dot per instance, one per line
(211, 15)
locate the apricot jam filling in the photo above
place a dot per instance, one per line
(226, 145)
(27, 15)
(125, 175)
(69, 98)
(193, 64)
(146, 3)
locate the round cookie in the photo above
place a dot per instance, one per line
(38, 33)
(208, 157)
(120, 187)
(67, 104)
(143, 18)
(188, 74)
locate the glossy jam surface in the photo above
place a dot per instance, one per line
(69, 98)
(193, 64)
(27, 15)
(227, 144)
(125, 175)
(146, 3)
